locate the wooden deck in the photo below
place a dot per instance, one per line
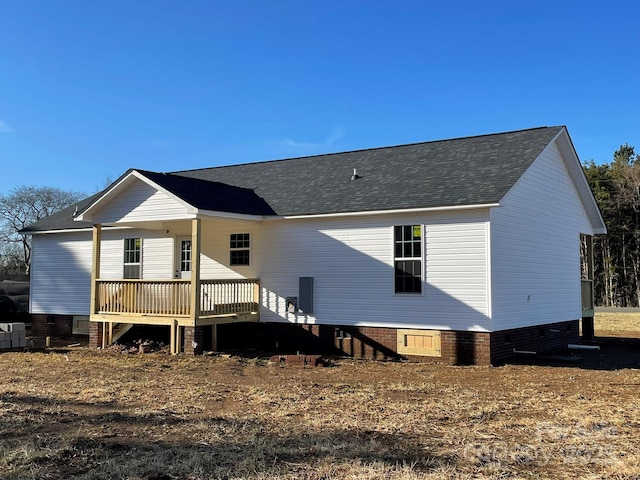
(154, 301)
(118, 304)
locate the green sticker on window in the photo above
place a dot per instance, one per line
(416, 231)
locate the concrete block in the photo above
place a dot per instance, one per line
(5, 336)
(5, 344)
(18, 327)
(16, 335)
(20, 343)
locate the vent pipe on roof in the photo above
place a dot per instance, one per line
(355, 175)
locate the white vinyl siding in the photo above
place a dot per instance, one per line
(157, 254)
(457, 270)
(140, 202)
(535, 247)
(61, 266)
(61, 274)
(352, 260)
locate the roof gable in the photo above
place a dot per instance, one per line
(142, 195)
(136, 200)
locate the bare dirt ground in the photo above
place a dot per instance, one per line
(83, 414)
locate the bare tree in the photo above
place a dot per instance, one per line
(22, 207)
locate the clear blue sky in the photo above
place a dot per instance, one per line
(91, 88)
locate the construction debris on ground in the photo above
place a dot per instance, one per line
(12, 335)
(137, 346)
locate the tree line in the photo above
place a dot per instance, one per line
(616, 187)
(19, 209)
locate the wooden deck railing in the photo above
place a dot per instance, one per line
(223, 297)
(173, 297)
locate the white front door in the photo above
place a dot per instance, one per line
(183, 258)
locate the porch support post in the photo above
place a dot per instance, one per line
(196, 234)
(590, 258)
(588, 326)
(172, 337)
(104, 335)
(95, 268)
(110, 337)
(256, 294)
(214, 337)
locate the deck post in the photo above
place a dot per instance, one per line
(214, 337)
(172, 337)
(588, 327)
(196, 236)
(95, 268)
(256, 294)
(104, 335)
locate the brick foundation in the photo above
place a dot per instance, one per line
(539, 339)
(457, 348)
(95, 334)
(464, 348)
(51, 325)
(193, 340)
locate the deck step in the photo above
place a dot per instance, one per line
(120, 331)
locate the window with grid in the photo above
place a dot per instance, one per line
(132, 256)
(239, 246)
(407, 244)
(185, 256)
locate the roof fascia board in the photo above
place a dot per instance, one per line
(580, 179)
(387, 212)
(235, 216)
(577, 176)
(73, 230)
(87, 216)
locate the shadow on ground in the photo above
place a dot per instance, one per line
(609, 353)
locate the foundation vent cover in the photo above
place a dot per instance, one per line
(419, 342)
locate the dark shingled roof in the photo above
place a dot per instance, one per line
(211, 195)
(64, 219)
(463, 171)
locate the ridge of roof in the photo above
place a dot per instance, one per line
(363, 150)
(454, 172)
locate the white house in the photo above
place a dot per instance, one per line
(460, 250)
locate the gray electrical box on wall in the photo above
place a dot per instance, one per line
(305, 294)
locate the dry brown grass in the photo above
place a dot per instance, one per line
(83, 414)
(617, 324)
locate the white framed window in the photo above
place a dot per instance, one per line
(239, 249)
(407, 258)
(132, 258)
(185, 255)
